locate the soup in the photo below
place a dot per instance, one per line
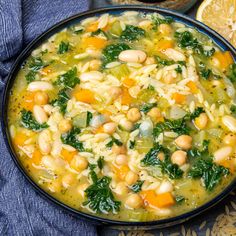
(129, 117)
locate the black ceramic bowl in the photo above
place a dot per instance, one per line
(221, 42)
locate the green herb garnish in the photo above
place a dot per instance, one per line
(71, 139)
(69, 79)
(145, 108)
(99, 195)
(137, 186)
(63, 47)
(132, 33)
(114, 141)
(100, 162)
(29, 122)
(111, 52)
(61, 101)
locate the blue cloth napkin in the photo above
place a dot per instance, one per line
(22, 210)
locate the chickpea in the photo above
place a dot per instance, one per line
(68, 180)
(94, 65)
(154, 113)
(121, 189)
(184, 142)
(131, 178)
(126, 124)
(134, 201)
(150, 61)
(119, 149)
(79, 163)
(230, 139)
(65, 125)
(165, 29)
(115, 92)
(121, 159)
(201, 121)
(109, 128)
(179, 157)
(41, 98)
(133, 114)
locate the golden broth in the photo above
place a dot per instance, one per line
(129, 117)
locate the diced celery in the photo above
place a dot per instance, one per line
(80, 120)
(143, 145)
(116, 29)
(119, 71)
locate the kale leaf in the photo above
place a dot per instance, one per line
(30, 76)
(232, 73)
(233, 109)
(114, 141)
(132, 33)
(167, 167)
(132, 144)
(35, 64)
(156, 21)
(145, 108)
(178, 126)
(137, 186)
(165, 62)
(210, 172)
(69, 79)
(186, 40)
(61, 101)
(63, 47)
(29, 122)
(99, 195)
(99, 32)
(111, 52)
(100, 162)
(179, 199)
(204, 167)
(178, 69)
(70, 138)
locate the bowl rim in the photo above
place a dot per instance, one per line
(54, 29)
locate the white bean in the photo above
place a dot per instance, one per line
(90, 76)
(174, 54)
(222, 154)
(44, 141)
(165, 187)
(39, 114)
(229, 122)
(39, 85)
(133, 56)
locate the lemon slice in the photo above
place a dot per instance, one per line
(220, 15)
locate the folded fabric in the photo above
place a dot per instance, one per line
(22, 210)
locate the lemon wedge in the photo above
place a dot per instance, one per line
(220, 15)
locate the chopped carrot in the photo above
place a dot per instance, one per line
(36, 157)
(106, 112)
(222, 60)
(67, 155)
(193, 87)
(99, 130)
(46, 70)
(121, 171)
(94, 42)
(179, 98)
(152, 199)
(28, 101)
(126, 99)
(127, 82)
(92, 27)
(164, 44)
(84, 95)
(20, 139)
